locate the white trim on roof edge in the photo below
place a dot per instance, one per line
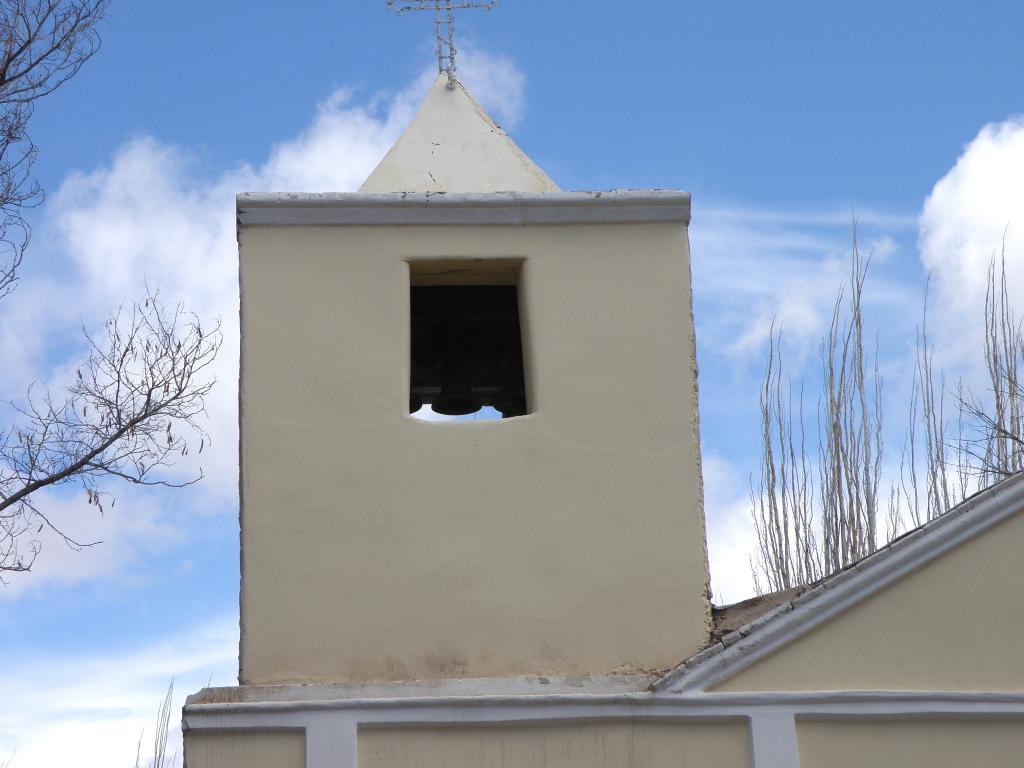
(256, 209)
(834, 595)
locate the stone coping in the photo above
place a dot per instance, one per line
(442, 208)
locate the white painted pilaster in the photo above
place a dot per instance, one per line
(774, 735)
(331, 741)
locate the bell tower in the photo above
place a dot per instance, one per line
(565, 539)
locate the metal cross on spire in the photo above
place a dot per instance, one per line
(444, 26)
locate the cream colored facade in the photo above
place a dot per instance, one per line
(600, 744)
(569, 541)
(935, 743)
(956, 624)
(532, 592)
(252, 749)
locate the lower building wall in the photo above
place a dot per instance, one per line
(952, 625)
(245, 749)
(935, 743)
(588, 744)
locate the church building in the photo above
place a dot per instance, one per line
(530, 590)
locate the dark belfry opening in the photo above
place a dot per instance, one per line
(467, 349)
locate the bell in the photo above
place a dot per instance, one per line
(455, 398)
(415, 403)
(510, 400)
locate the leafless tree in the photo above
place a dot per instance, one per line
(996, 447)
(940, 461)
(161, 758)
(134, 404)
(944, 459)
(783, 498)
(797, 542)
(849, 429)
(988, 441)
(133, 408)
(44, 44)
(930, 386)
(1003, 425)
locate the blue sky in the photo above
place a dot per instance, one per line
(781, 120)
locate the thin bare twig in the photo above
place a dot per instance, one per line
(43, 44)
(133, 408)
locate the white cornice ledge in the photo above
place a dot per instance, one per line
(414, 693)
(259, 209)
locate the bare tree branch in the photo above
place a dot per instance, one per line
(940, 464)
(161, 758)
(132, 409)
(849, 428)
(782, 502)
(135, 404)
(797, 543)
(43, 43)
(1002, 425)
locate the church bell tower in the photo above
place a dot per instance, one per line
(562, 537)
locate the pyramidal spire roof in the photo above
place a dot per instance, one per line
(453, 145)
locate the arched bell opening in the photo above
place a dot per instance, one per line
(466, 350)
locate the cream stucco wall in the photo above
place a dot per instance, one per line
(940, 743)
(955, 624)
(608, 744)
(376, 546)
(245, 749)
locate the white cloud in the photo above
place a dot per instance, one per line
(89, 711)
(809, 220)
(133, 527)
(963, 224)
(730, 530)
(496, 82)
(337, 151)
(151, 215)
(754, 267)
(751, 266)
